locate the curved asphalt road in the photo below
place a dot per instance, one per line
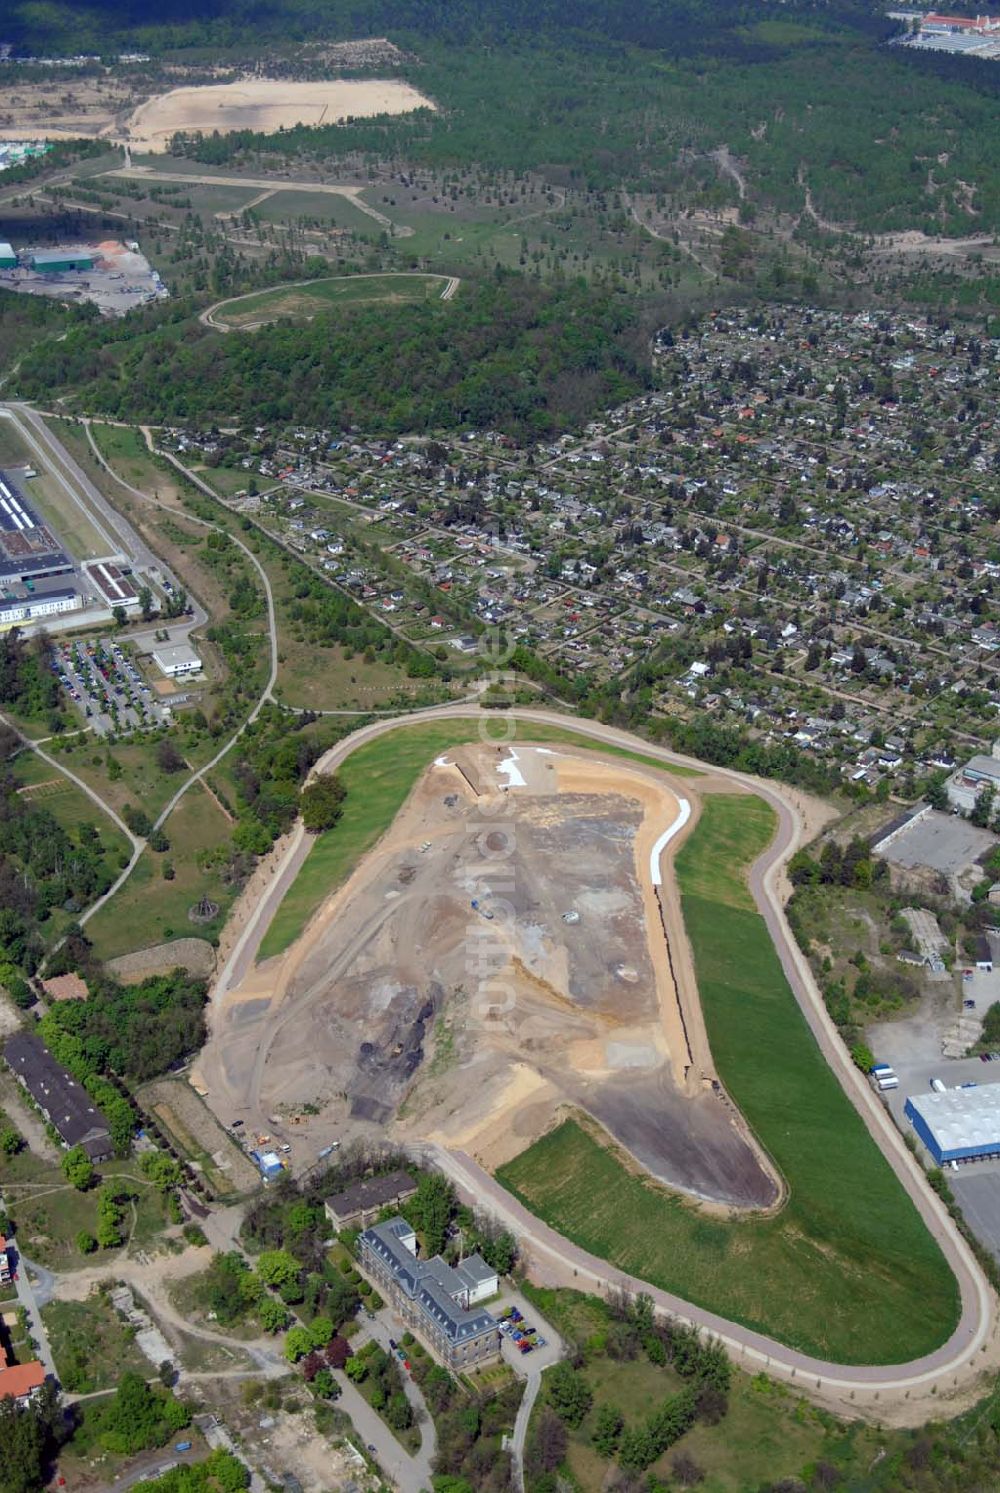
(752, 1350)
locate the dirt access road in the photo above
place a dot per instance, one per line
(896, 1391)
(209, 317)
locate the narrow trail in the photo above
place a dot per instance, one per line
(665, 238)
(272, 627)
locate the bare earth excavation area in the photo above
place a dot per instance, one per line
(106, 110)
(265, 105)
(501, 954)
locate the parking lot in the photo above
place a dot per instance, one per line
(106, 686)
(546, 1347)
(944, 842)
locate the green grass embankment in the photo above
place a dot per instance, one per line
(846, 1270)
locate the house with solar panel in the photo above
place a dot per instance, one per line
(438, 1302)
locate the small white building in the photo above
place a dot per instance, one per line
(177, 661)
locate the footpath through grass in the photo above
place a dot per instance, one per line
(378, 778)
(847, 1270)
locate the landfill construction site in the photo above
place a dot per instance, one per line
(504, 955)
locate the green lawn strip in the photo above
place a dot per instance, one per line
(378, 777)
(846, 1270)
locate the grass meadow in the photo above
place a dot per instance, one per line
(318, 295)
(846, 1269)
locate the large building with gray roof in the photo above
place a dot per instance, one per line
(63, 1101)
(361, 1203)
(437, 1301)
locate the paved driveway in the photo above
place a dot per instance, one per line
(529, 1367)
(36, 1327)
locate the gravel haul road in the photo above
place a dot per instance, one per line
(904, 1389)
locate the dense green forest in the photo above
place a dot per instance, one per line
(135, 1031)
(511, 353)
(603, 94)
(102, 25)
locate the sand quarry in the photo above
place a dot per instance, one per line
(404, 1010)
(106, 110)
(265, 105)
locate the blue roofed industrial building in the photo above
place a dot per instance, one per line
(269, 1163)
(958, 1124)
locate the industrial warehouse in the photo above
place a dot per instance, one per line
(40, 581)
(36, 573)
(958, 1124)
(115, 276)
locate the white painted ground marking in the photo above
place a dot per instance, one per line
(683, 815)
(510, 770)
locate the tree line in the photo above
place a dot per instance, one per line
(507, 353)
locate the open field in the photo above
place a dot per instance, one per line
(49, 1214)
(848, 1235)
(149, 909)
(314, 677)
(265, 105)
(288, 203)
(303, 301)
(126, 451)
(91, 1344)
(43, 785)
(769, 1433)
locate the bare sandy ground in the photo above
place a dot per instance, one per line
(266, 105)
(377, 1014)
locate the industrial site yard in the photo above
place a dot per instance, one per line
(266, 105)
(500, 957)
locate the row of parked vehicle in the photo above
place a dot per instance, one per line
(524, 1337)
(104, 682)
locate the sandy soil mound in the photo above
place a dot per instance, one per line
(499, 955)
(265, 105)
